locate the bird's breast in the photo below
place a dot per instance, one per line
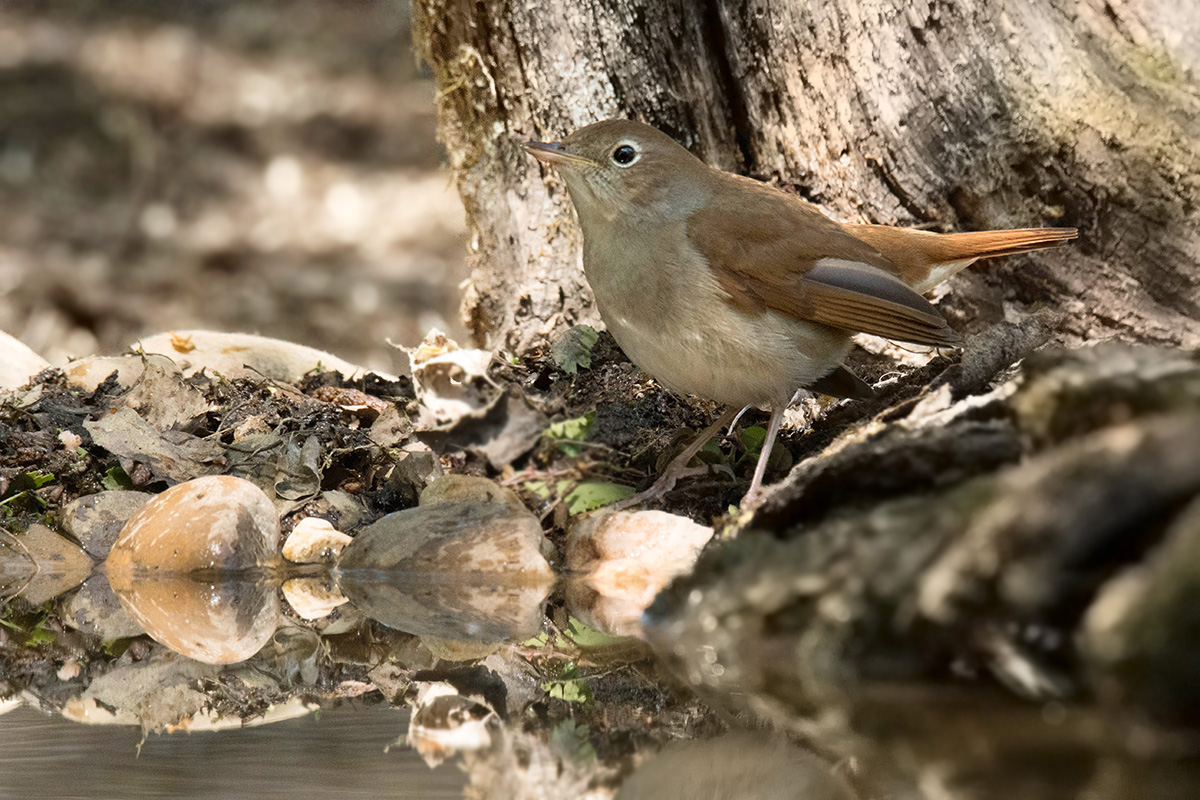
(661, 303)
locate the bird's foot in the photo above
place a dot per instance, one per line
(662, 487)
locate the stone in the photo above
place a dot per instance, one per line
(622, 560)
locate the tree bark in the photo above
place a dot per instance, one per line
(956, 116)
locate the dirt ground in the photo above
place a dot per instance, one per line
(267, 168)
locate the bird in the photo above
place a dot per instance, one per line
(728, 288)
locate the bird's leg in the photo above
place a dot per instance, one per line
(765, 454)
(738, 416)
(678, 468)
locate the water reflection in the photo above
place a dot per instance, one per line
(739, 765)
(494, 684)
(463, 571)
(216, 618)
(338, 754)
(196, 568)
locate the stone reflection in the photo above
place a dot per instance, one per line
(222, 620)
(16, 567)
(198, 568)
(536, 704)
(620, 561)
(40, 565)
(469, 571)
(194, 567)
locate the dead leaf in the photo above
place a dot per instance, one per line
(161, 396)
(503, 431)
(173, 456)
(450, 382)
(300, 473)
(390, 428)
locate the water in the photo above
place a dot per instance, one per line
(338, 753)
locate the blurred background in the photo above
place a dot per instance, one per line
(266, 167)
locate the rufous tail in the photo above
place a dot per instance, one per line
(949, 247)
(924, 259)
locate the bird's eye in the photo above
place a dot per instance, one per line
(624, 154)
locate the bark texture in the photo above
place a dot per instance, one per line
(965, 116)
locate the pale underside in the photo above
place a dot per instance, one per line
(675, 322)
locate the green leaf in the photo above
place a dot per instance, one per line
(753, 438)
(569, 686)
(27, 482)
(117, 647)
(39, 637)
(40, 478)
(584, 636)
(590, 495)
(115, 478)
(573, 349)
(539, 487)
(573, 741)
(571, 430)
(537, 642)
(570, 692)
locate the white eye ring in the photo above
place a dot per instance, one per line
(625, 154)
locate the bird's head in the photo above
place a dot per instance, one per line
(621, 169)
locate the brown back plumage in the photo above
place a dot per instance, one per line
(771, 251)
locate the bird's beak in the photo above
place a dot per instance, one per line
(554, 153)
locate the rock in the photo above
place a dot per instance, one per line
(344, 511)
(314, 541)
(88, 373)
(468, 488)
(97, 519)
(18, 364)
(416, 467)
(192, 566)
(216, 523)
(621, 560)
(17, 567)
(244, 355)
(462, 571)
(95, 609)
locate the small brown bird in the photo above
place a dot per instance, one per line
(723, 287)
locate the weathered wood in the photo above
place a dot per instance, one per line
(963, 116)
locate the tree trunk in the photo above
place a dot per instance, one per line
(960, 116)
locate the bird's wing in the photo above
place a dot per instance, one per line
(771, 251)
